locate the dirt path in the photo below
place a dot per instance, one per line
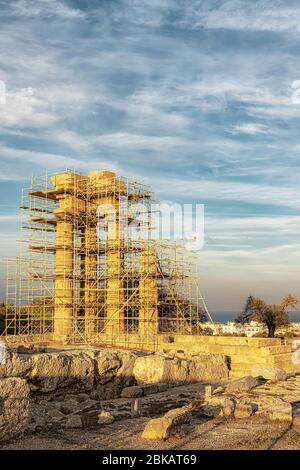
(253, 433)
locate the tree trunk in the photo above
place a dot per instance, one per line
(271, 331)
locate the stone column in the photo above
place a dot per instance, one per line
(90, 273)
(69, 207)
(63, 302)
(107, 190)
(148, 315)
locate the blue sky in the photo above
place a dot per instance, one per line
(197, 98)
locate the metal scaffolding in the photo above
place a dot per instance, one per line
(89, 269)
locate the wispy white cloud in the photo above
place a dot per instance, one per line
(257, 224)
(240, 15)
(205, 189)
(49, 161)
(41, 107)
(43, 8)
(251, 128)
(269, 15)
(24, 109)
(147, 13)
(119, 140)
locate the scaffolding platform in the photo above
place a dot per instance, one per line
(90, 270)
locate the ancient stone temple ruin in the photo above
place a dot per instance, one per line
(90, 269)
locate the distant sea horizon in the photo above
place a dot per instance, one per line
(223, 316)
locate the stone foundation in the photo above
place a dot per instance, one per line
(108, 371)
(243, 353)
(44, 389)
(67, 387)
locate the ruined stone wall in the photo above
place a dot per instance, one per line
(85, 369)
(97, 374)
(242, 353)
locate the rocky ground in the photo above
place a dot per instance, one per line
(202, 433)
(206, 434)
(118, 400)
(206, 429)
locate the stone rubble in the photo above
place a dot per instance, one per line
(243, 411)
(73, 422)
(132, 392)
(75, 382)
(276, 401)
(14, 408)
(105, 417)
(82, 389)
(242, 385)
(269, 373)
(168, 425)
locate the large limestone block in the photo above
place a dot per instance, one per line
(179, 370)
(218, 406)
(207, 367)
(73, 422)
(269, 373)
(114, 369)
(125, 372)
(132, 392)
(13, 364)
(163, 368)
(14, 407)
(108, 363)
(167, 425)
(154, 368)
(47, 371)
(242, 385)
(55, 370)
(81, 369)
(149, 389)
(54, 415)
(105, 417)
